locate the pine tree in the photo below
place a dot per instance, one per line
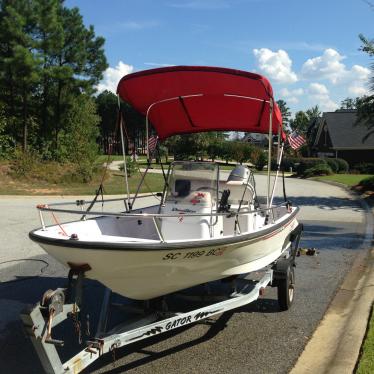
(48, 58)
(19, 65)
(365, 105)
(285, 110)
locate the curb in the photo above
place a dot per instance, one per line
(336, 343)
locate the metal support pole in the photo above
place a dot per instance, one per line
(279, 160)
(42, 220)
(147, 136)
(140, 184)
(124, 161)
(269, 150)
(166, 187)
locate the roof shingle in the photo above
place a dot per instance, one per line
(344, 133)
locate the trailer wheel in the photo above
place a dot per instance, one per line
(286, 287)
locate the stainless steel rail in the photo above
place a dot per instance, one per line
(47, 208)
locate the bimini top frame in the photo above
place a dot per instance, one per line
(188, 99)
(200, 98)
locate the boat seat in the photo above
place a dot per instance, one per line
(182, 227)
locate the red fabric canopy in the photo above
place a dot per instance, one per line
(186, 99)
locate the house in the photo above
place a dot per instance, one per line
(337, 135)
(260, 140)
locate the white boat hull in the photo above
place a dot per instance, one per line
(141, 273)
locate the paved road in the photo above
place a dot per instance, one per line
(253, 339)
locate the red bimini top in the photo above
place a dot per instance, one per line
(187, 99)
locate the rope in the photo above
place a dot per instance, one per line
(58, 223)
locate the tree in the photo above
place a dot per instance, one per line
(81, 62)
(190, 145)
(258, 158)
(313, 113)
(107, 107)
(368, 47)
(285, 110)
(349, 103)
(213, 149)
(48, 58)
(6, 141)
(240, 152)
(77, 142)
(300, 122)
(19, 67)
(365, 105)
(48, 41)
(226, 151)
(365, 114)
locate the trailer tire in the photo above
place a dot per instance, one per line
(286, 288)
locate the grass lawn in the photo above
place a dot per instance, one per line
(347, 179)
(114, 184)
(366, 363)
(52, 179)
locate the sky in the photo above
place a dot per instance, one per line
(308, 49)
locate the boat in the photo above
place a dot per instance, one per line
(204, 228)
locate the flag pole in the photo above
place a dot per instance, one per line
(279, 160)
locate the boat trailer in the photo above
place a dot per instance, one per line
(61, 304)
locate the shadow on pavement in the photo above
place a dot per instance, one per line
(326, 203)
(17, 353)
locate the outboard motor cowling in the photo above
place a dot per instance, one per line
(239, 175)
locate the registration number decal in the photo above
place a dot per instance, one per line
(194, 254)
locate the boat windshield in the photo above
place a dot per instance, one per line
(193, 182)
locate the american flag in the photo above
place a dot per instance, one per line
(295, 140)
(152, 142)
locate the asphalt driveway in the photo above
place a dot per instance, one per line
(253, 339)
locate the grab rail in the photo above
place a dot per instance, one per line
(47, 207)
(154, 216)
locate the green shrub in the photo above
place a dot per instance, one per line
(320, 169)
(130, 166)
(343, 165)
(29, 166)
(6, 141)
(368, 183)
(290, 162)
(365, 168)
(333, 164)
(260, 161)
(24, 163)
(77, 142)
(308, 163)
(286, 164)
(163, 152)
(241, 152)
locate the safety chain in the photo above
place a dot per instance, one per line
(77, 324)
(113, 348)
(88, 332)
